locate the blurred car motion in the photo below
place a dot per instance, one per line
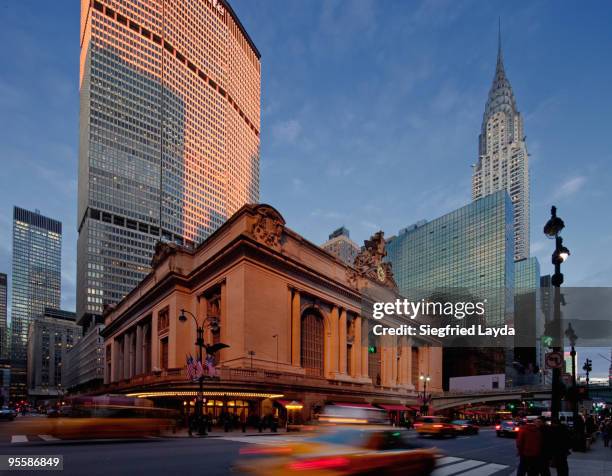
(465, 427)
(7, 413)
(346, 443)
(110, 417)
(435, 426)
(507, 428)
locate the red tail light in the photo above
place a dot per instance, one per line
(498, 427)
(438, 425)
(516, 428)
(322, 463)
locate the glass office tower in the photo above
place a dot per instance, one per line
(469, 250)
(528, 322)
(36, 285)
(4, 336)
(169, 135)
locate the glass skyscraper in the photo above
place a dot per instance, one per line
(36, 285)
(469, 250)
(169, 135)
(4, 336)
(526, 275)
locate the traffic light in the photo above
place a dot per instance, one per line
(547, 341)
(588, 366)
(510, 406)
(531, 404)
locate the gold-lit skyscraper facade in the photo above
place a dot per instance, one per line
(169, 146)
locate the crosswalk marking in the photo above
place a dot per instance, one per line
(447, 460)
(456, 468)
(48, 438)
(486, 470)
(19, 439)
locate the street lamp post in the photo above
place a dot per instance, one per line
(572, 337)
(424, 379)
(200, 328)
(552, 229)
(587, 367)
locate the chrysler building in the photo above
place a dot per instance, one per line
(503, 162)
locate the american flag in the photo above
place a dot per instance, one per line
(191, 368)
(210, 366)
(199, 369)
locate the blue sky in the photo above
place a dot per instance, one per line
(370, 115)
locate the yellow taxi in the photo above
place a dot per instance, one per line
(341, 450)
(435, 426)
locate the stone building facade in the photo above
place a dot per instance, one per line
(295, 319)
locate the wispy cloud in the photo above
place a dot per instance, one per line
(286, 131)
(570, 187)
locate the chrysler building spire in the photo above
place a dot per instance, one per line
(503, 161)
(500, 58)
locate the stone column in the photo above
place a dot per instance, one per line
(331, 347)
(409, 361)
(393, 353)
(342, 342)
(364, 348)
(126, 355)
(147, 346)
(138, 349)
(404, 362)
(115, 364)
(296, 328)
(357, 348)
(225, 328)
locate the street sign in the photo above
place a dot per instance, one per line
(554, 360)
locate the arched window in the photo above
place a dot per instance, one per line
(312, 352)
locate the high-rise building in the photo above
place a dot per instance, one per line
(610, 370)
(503, 161)
(4, 335)
(36, 283)
(467, 250)
(341, 246)
(465, 255)
(169, 135)
(84, 367)
(528, 322)
(51, 335)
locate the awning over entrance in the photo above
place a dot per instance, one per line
(394, 408)
(355, 405)
(291, 404)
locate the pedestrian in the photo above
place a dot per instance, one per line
(605, 433)
(560, 445)
(243, 421)
(210, 421)
(529, 447)
(190, 424)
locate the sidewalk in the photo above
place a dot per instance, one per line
(216, 433)
(595, 462)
